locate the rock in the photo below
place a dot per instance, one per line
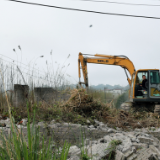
(107, 139)
(101, 124)
(74, 158)
(111, 130)
(134, 139)
(127, 145)
(66, 124)
(41, 124)
(130, 134)
(88, 122)
(120, 147)
(119, 129)
(74, 150)
(156, 144)
(139, 145)
(119, 155)
(52, 122)
(155, 134)
(129, 154)
(134, 149)
(52, 126)
(147, 140)
(94, 142)
(75, 125)
(154, 150)
(5, 123)
(24, 122)
(98, 151)
(91, 129)
(52, 146)
(20, 126)
(150, 153)
(97, 122)
(58, 124)
(144, 130)
(132, 157)
(103, 129)
(137, 130)
(91, 126)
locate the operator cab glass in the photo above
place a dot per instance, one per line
(141, 88)
(154, 84)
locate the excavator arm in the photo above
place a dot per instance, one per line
(122, 61)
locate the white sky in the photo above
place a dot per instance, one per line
(38, 30)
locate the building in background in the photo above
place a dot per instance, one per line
(115, 92)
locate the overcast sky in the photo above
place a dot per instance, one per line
(38, 30)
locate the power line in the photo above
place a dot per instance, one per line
(20, 63)
(41, 75)
(32, 75)
(123, 3)
(82, 10)
(22, 67)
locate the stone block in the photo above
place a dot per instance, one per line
(147, 140)
(74, 150)
(98, 151)
(74, 158)
(155, 134)
(107, 139)
(133, 157)
(119, 155)
(140, 145)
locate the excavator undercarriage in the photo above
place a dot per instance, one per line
(139, 107)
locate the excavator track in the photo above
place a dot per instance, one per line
(135, 107)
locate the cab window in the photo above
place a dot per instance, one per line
(154, 77)
(139, 78)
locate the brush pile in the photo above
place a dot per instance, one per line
(82, 102)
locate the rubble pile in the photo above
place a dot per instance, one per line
(136, 144)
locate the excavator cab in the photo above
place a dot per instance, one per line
(151, 91)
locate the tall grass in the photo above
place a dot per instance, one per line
(16, 146)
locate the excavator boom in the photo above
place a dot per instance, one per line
(122, 61)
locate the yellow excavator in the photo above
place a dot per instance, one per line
(140, 98)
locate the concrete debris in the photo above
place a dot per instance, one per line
(52, 122)
(88, 122)
(74, 151)
(74, 158)
(24, 122)
(99, 140)
(5, 123)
